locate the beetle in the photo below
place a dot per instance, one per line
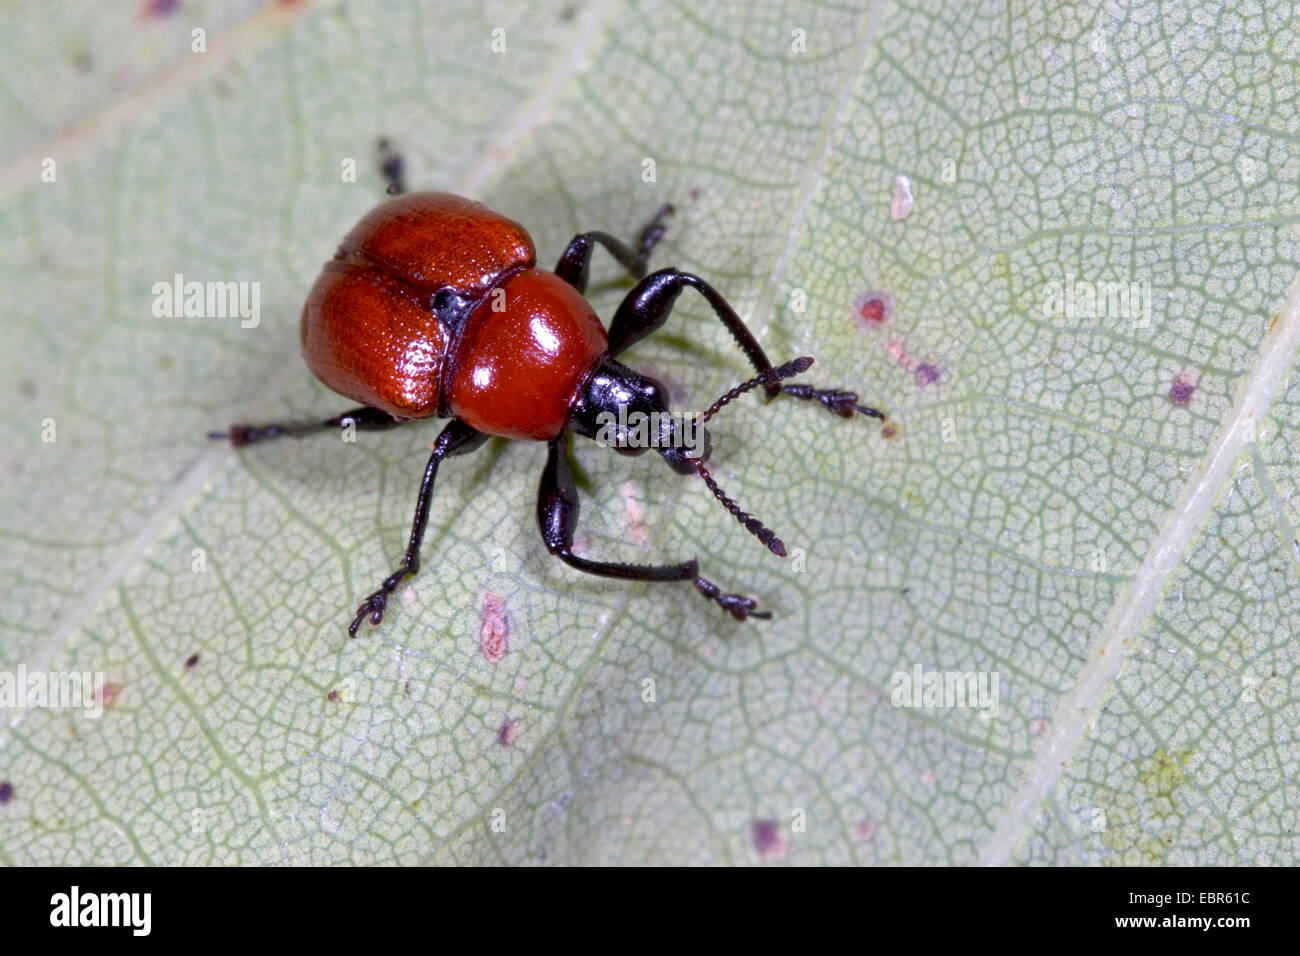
(434, 307)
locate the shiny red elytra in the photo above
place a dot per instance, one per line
(403, 320)
(434, 307)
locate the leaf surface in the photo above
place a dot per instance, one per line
(1093, 504)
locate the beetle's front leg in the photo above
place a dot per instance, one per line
(647, 307)
(575, 264)
(456, 439)
(837, 401)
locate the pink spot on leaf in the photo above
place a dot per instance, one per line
(927, 374)
(506, 734)
(768, 840)
(157, 9)
(873, 308)
(109, 695)
(1184, 387)
(494, 629)
(636, 530)
(897, 350)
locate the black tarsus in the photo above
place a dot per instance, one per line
(836, 401)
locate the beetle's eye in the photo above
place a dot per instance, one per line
(444, 300)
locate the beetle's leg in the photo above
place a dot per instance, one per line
(835, 400)
(364, 419)
(392, 166)
(557, 514)
(575, 264)
(648, 305)
(456, 439)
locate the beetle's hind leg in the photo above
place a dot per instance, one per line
(557, 514)
(364, 419)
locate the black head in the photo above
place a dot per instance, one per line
(628, 411)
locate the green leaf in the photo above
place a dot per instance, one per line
(1093, 505)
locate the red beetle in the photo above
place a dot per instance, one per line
(434, 307)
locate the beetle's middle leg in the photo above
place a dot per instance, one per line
(557, 514)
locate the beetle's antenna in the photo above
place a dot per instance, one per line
(788, 370)
(755, 527)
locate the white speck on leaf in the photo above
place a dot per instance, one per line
(900, 204)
